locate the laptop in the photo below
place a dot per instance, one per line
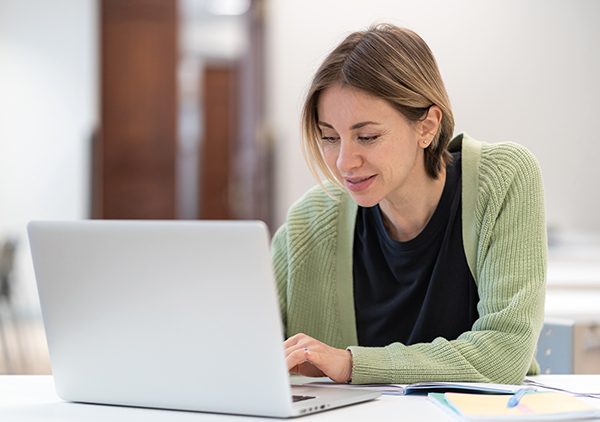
(168, 314)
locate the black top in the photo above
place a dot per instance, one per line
(414, 291)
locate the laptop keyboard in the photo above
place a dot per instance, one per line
(301, 398)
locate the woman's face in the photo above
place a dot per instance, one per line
(369, 146)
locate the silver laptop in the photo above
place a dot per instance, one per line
(168, 314)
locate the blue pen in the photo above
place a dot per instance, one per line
(514, 400)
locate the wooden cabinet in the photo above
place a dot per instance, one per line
(134, 153)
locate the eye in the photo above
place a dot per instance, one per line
(367, 139)
(330, 139)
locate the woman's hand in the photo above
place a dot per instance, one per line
(309, 357)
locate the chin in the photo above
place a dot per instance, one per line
(361, 201)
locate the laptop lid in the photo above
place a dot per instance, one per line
(165, 314)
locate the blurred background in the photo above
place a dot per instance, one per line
(189, 109)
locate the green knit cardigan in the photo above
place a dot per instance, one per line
(504, 236)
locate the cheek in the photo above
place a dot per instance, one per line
(330, 154)
(398, 156)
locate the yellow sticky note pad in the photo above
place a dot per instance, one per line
(532, 404)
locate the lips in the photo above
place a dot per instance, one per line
(359, 184)
(355, 181)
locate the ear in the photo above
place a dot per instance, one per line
(429, 126)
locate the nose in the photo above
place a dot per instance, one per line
(349, 157)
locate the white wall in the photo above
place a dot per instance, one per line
(48, 109)
(523, 71)
(515, 70)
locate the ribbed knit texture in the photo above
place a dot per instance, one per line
(312, 259)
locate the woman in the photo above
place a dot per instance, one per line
(421, 258)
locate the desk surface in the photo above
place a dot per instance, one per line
(32, 398)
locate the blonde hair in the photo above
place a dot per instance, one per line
(390, 63)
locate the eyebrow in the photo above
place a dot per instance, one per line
(354, 126)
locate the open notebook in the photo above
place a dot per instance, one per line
(168, 314)
(533, 406)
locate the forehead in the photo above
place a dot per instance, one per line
(342, 104)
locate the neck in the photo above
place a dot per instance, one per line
(405, 216)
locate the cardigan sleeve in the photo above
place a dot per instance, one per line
(510, 275)
(303, 252)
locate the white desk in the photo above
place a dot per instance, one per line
(26, 398)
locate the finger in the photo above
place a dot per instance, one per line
(295, 339)
(298, 342)
(296, 358)
(293, 349)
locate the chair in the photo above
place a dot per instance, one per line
(7, 256)
(555, 346)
